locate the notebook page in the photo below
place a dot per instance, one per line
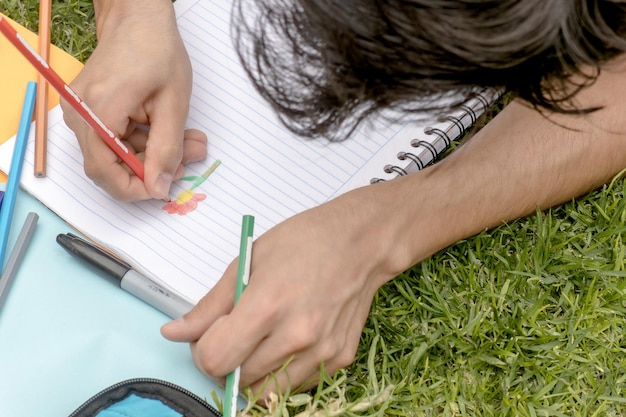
(265, 170)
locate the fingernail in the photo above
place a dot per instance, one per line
(163, 183)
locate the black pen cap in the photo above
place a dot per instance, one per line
(113, 267)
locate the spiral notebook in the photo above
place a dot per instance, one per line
(255, 166)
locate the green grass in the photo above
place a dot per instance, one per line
(73, 26)
(523, 320)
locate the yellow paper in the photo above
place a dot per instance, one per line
(16, 71)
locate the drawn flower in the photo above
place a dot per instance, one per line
(186, 202)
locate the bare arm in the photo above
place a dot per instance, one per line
(520, 161)
(314, 275)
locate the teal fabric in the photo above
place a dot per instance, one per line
(136, 406)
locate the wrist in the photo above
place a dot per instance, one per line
(398, 223)
(434, 208)
(109, 13)
(421, 217)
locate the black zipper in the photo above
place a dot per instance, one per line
(134, 381)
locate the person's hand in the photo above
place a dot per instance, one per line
(139, 75)
(313, 278)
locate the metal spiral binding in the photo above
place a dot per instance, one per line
(471, 113)
(443, 135)
(394, 168)
(427, 145)
(457, 122)
(417, 143)
(403, 156)
(484, 100)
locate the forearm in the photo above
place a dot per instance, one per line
(108, 12)
(518, 162)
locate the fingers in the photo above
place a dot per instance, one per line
(216, 303)
(278, 352)
(284, 379)
(194, 146)
(299, 369)
(100, 163)
(234, 337)
(105, 169)
(295, 351)
(164, 153)
(169, 146)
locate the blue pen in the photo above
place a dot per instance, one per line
(17, 161)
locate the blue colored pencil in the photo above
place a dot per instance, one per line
(17, 161)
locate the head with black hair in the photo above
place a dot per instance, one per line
(324, 65)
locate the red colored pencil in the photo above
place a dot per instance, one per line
(72, 98)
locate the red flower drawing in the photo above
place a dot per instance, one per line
(186, 202)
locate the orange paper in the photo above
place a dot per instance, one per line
(16, 71)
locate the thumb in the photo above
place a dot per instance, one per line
(215, 304)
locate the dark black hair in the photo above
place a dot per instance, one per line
(324, 65)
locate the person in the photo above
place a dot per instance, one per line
(314, 276)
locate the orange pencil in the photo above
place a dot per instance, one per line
(41, 115)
